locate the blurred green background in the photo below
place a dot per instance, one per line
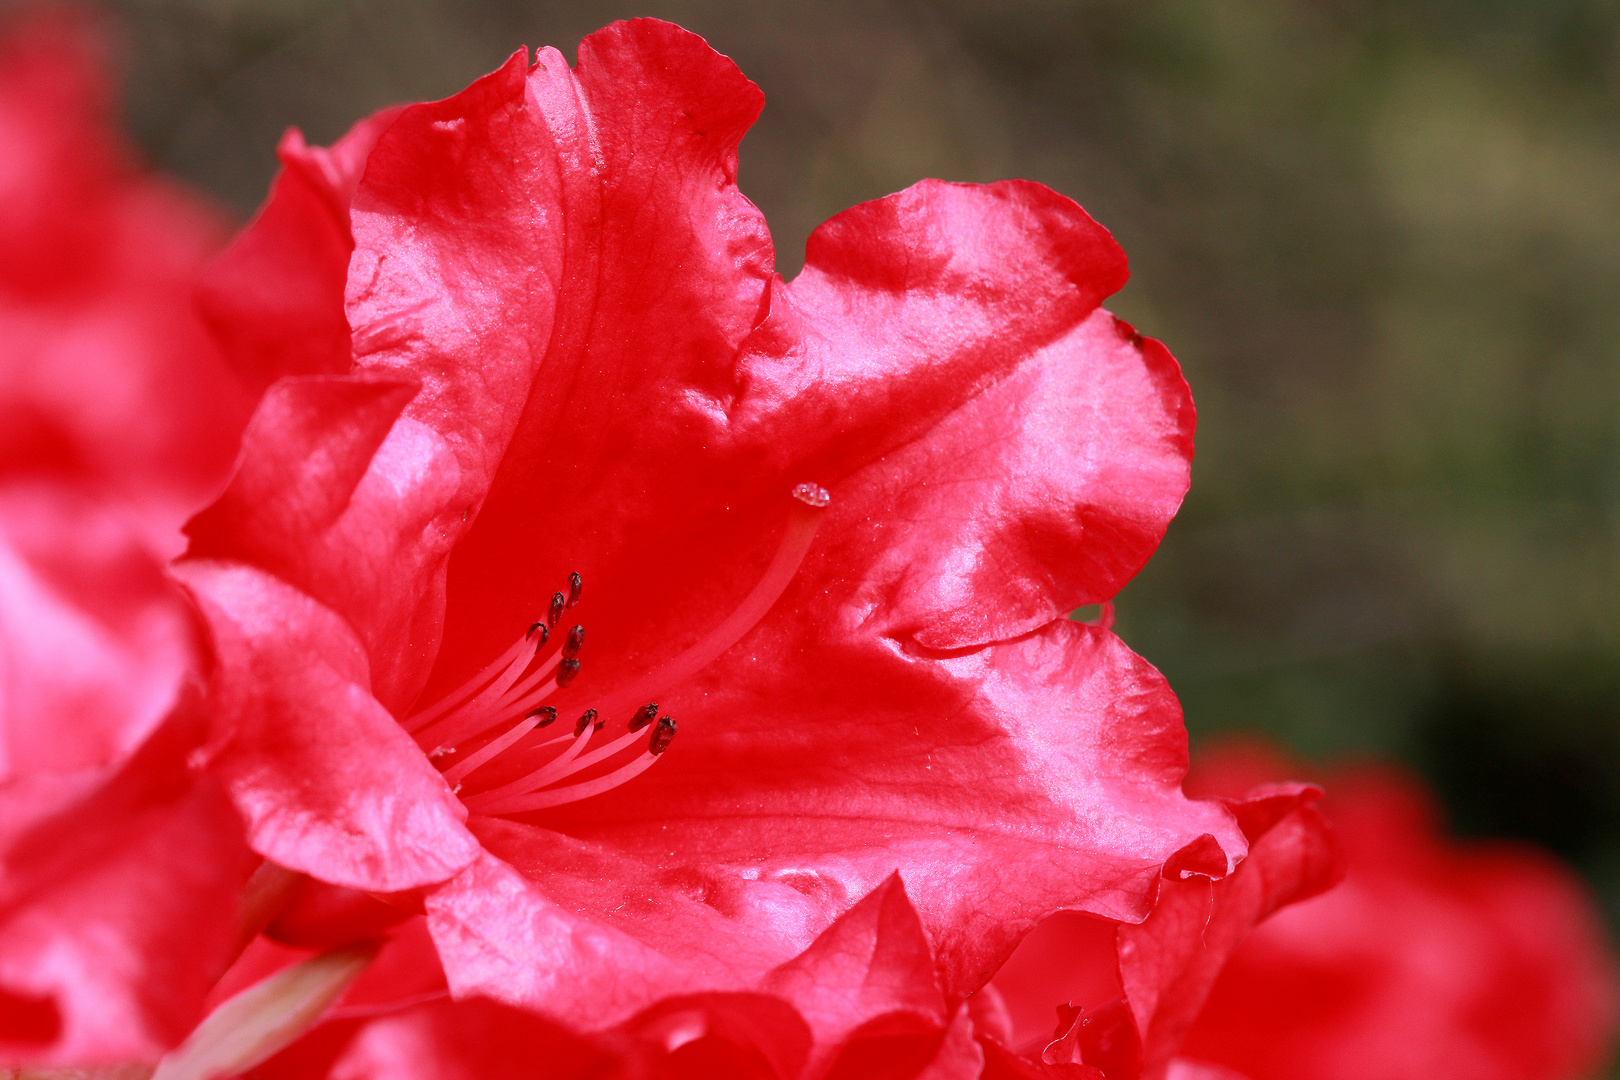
(1383, 239)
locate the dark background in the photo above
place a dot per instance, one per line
(1382, 238)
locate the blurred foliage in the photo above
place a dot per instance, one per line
(1383, 238)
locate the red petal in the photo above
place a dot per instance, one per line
(95, 641)
(474, 1039)
(723, 1036)
(1139, 987)
(329, 783)
(1047, 491)
(874, 960)
(1170, 961)
(336, 497)
(501, 937)
(117, 910)
(274, 298)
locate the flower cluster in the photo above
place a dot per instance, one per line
(606, 658)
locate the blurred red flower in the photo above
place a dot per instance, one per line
(1435, 960)
(119, 869)
(525, 350)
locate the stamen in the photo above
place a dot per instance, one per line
(801, 529)
(545, 634)
(566, 671)
(803, 521)
(576, 639)
(525, 694)
(555, 770)
(510, 692)
(662, 736)
(425, 716)
(487, 708)
(521, 654)
(540, 800)
(457, 772)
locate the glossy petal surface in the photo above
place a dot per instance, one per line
(605, 376)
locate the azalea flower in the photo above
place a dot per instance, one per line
(119, 868)
(637, 612)
(1434, 959)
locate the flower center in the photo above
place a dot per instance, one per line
(488, 736)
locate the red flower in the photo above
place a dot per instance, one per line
(118, 870)
(571, 355)
(1434, 960)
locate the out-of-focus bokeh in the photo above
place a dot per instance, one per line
(1383, 238)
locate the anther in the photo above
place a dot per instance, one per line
(576, 638)
(662, 736)
(545, 634)
(584, 722)
(576, 585)
(644, 716)
(557, 602)
(546, 713)
(566, 672)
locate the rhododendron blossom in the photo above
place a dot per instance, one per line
(120, 869)
(638, 612)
